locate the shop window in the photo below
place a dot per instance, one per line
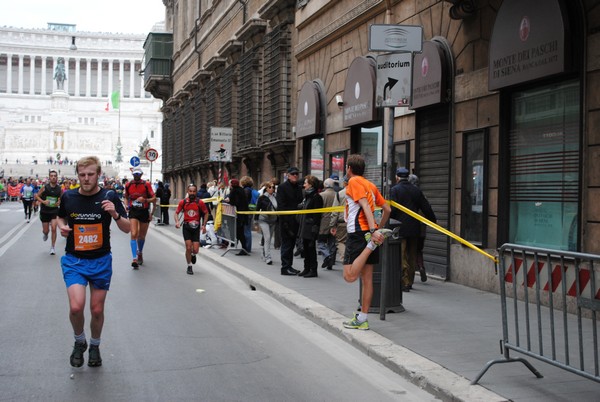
(371, 147)
(401, 156)
(337, 164)
(474, 187)
(544, 146)
(317, 151)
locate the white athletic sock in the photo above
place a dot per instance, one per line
(362, 317)
(80, 338)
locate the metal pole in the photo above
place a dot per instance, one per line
(389, 146)
(388, 167)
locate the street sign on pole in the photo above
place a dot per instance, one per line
(395, 38)
(151, 154)
(221, 144)
(394, 80)
(134, 161)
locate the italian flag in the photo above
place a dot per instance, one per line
(113, 100)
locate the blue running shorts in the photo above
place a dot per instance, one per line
(97, 271)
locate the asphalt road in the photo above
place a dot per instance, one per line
(168, 336)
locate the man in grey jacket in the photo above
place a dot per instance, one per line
(326, 243)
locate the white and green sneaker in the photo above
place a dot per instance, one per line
(383, 231)
(355, 324)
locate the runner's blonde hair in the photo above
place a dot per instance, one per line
(87, 161)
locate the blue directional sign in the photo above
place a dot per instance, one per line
(134, 161)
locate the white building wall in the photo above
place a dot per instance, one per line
(39, 121)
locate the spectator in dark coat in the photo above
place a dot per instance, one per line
(203, 192)
(289, 196)
(237, 198)
(163, 194)
(247, 184)
(411, 197)
(309, 226)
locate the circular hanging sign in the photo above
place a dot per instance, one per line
(151, 154)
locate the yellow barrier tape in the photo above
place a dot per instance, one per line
(205, 200)
(441, 229)
(294, 212)
(341, 208)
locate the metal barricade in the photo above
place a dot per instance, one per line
(227, 230)
(157, 215)
(550, 301)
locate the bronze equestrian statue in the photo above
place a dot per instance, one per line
(59, 73)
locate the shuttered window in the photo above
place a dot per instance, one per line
(277, 84)
(544, 143)
(249, 120)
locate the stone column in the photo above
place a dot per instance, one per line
(43, 82)
(67, 74)
(121, 75)
(132, 78)
(99, 72)
(20, 87)
(9, 73)
(77, 75)
(31, 75)
(54, 63)
(110, 77)
(142, 89)
(88, 77)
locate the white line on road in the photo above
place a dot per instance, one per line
(14, 239)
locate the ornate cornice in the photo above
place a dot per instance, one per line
(182, 96)
(190, 86)
(231, 47)
(329, 32)
(252, 27)
(202, 76)
(272, 8)
(214, 63)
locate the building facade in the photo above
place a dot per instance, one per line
(59, 90)
(498, 117)
(231, 73)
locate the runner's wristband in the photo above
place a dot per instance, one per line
(117, 218)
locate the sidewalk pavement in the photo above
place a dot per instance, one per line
(440, 343)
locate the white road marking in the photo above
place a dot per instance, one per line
(14, 239)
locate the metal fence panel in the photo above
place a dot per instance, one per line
(550, 301)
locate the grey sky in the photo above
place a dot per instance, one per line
(126, 16)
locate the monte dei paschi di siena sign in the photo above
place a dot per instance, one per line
(523, 60)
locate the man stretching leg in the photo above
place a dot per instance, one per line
(362, 197)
